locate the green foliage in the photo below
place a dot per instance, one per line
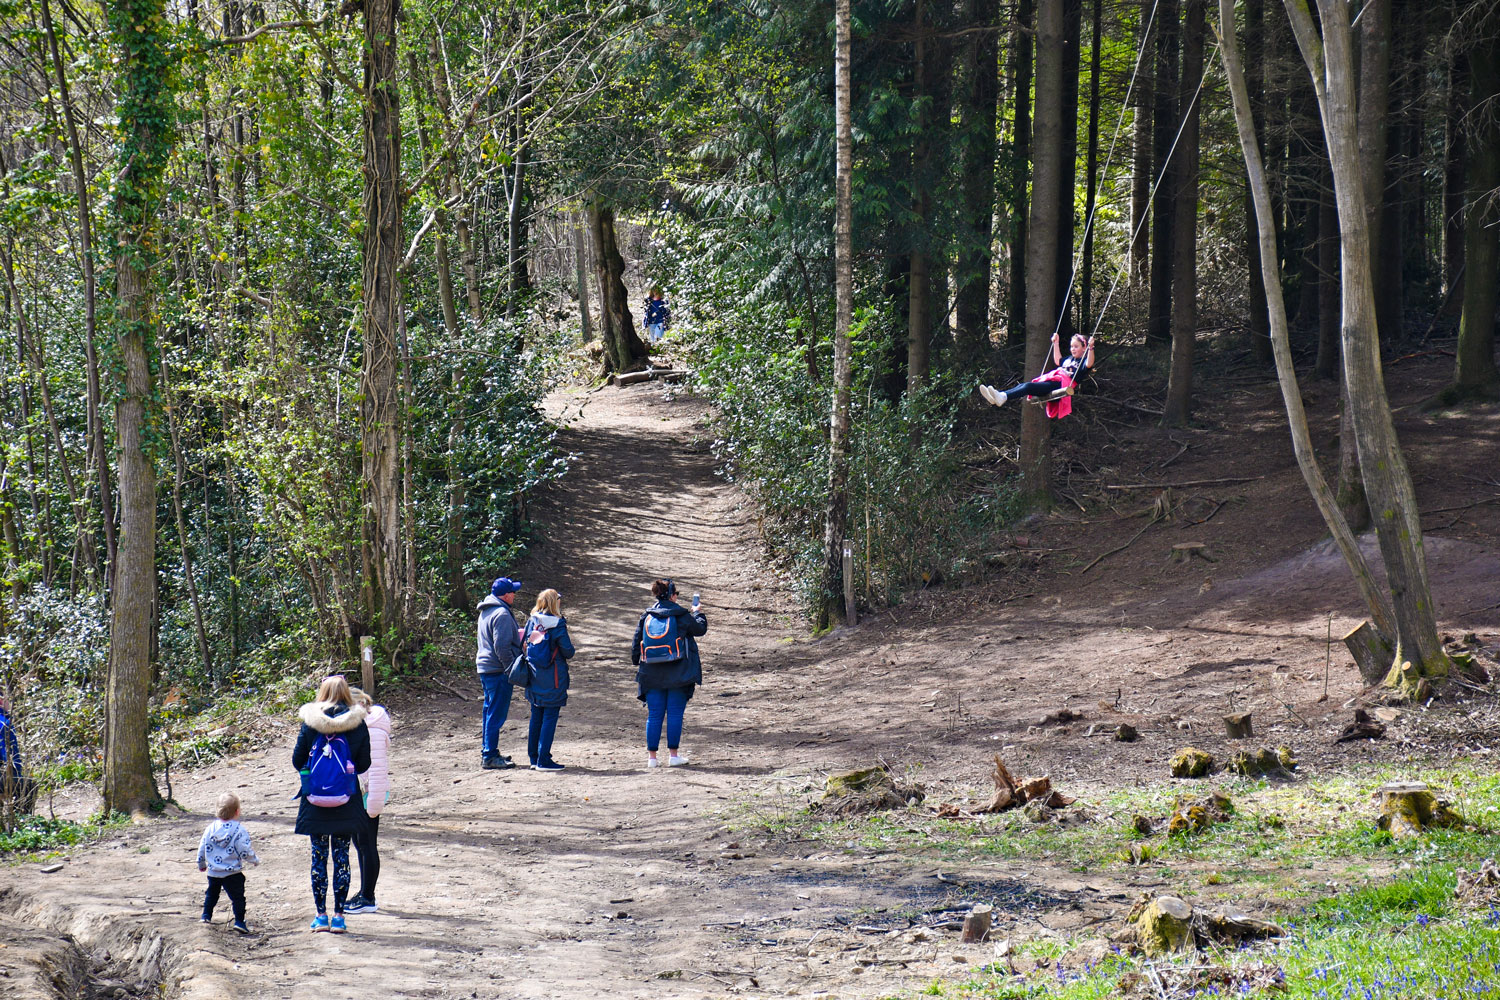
(38, 836)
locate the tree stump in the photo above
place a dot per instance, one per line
(1238, 727)
(1370, 653)
(1190, 762)
(1407, 808)
(977, 924)
(1165, 926)
(1187, 551)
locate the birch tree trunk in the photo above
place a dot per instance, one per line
(836, 516)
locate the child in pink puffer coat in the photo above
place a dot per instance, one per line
(377, 781)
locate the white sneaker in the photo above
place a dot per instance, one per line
(652, 762)
(996, 396)
(984, 393)
(676, 761)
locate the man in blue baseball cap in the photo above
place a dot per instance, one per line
(499, 645)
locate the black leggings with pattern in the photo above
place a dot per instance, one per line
(320, 871)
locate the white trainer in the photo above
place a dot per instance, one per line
(652, 762)
(676, 760)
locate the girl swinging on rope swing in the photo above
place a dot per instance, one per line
(1067, 373)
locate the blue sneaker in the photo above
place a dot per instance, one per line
(320, 923)
(338, 923)
(548, 765)
(242, 927)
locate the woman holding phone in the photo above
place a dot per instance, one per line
(665, 653)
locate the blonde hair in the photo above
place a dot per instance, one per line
(548, 602)
(335, 689)
(357, 696)
(229, 806)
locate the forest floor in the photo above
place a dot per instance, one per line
(609, 880)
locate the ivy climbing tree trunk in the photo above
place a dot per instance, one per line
(145, 112)
(380, 374)
(1393, 502)
(836, 517)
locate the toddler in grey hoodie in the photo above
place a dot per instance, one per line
(222, 853)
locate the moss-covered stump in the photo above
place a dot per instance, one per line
(1263, 761)
(1407, 808)
(868, 789)
(1197, 815)
(1190, 762)
(1164, 926)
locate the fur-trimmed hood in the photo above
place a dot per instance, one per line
(329, 717)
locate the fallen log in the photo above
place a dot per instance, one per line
(649, 375)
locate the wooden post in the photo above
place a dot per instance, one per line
(851, 614)
(977, 924)
(367, 664)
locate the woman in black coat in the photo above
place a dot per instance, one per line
(665, 681)
(332, 716)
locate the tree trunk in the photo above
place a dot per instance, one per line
(1164, 129)
(1067, 167)
(380, 374)
(919, 282)
(1454, 156)
(1286, 374)
(1327, 365)
(518, 263)
(581, 267)
(145, 111)
(1142, 148)
(978, 107)
(188, 575)
(1259, 320)
(1091, 171)
(622, 347)
(1474, 374)
(1042, 241)
(1387, 481)
(836, 515)
(1179, 402)
(1020, 178)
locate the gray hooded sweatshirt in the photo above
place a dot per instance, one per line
(225, 848)
(498, 644)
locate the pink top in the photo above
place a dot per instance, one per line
(378, 777)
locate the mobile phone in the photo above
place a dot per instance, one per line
(697, 600)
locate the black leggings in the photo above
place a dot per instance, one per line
(369, 858)
(1041, 388)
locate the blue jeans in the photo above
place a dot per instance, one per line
(543, 728)
(656, 331)
(497, 692)
(668, 704)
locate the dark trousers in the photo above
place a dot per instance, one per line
(234, 885)
(322, 844)
(369, 858)
(497, 692)
(1043, 388)
(543, 728)
(665, 706)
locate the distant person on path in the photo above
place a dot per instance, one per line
(548, 650)
(1066, 373)
(223, 853)
(332, 749)
(498, 646)
(14, 784)
(665, 652)
(658, 315)
(377, 791)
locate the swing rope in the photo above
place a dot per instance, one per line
(1088, 224)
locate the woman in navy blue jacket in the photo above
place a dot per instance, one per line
(548, 650)
(665, 652)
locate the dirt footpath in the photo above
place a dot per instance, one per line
(609, 880)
